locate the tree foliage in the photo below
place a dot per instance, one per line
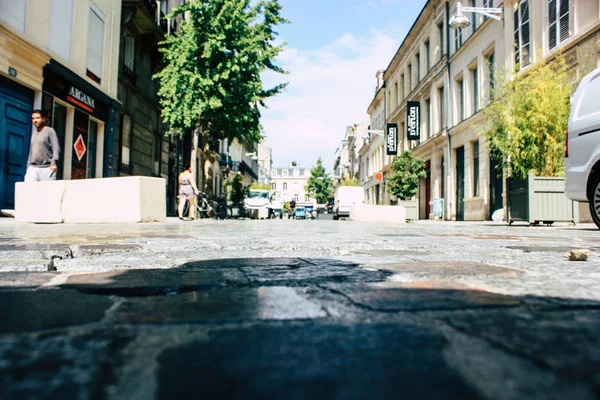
(527, 119)
(213, 67)
(319, 185)
(237, 191)
(403, 182)
(260, 186)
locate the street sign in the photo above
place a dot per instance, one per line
(391, 142)
(413, 120)
(379, 176)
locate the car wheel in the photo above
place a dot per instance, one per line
(336, 217)
(595, 200)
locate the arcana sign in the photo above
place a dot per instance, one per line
(413, 120)
(392, 139)
(81, 99)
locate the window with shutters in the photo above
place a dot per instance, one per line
(474, 15)
(475, 148)
(486, 4)
(559, 28)
(441, 122)
(418, 68)
(475, 75)
(458, 39)
(61, 26)
(427, 56)
(95, 50)
(129, 55)
(460, 99)
(522, 35)
(491, 69)
(14, 12)
(441, 38)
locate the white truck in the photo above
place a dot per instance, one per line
(261, 203)
(345, 198)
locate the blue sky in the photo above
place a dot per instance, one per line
(334, 48)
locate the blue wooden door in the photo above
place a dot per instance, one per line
(15, 130)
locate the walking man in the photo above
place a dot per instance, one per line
(44, 151)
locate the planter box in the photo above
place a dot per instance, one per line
(540, 200)
(412, 209)
(103, 200)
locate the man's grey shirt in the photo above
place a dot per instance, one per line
(44, 150)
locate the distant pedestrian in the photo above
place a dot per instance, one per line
(44, 151)
(187, 192)
(292, 208)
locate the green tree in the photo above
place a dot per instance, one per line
(237, 190)
(213, 67)
(319, 185)
(406, 172)
(527, 120)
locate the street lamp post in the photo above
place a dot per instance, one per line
(460, 21)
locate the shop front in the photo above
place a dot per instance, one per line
(21, 67)
(81, 116)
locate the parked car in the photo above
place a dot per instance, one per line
(300, 213)
(345, 197)
(582, 149)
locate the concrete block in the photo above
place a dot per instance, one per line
(39, 201)
(104, 200)
(393, 214)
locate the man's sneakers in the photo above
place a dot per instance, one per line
(8, 213)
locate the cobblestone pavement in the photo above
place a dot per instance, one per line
(298, 309)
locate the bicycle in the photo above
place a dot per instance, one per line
(204, 209)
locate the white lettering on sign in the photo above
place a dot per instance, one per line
(392, 139)
(413, 121)
(84, 98)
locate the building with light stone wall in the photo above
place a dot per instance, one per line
(290, 182)
(451, 72)
(60, 56)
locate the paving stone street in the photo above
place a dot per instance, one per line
(317, 309)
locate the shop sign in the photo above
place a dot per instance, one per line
(66, 90)
(391, 143)
(413, 120)
(81, 99)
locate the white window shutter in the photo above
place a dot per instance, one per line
(95, 51)
(61, 27)
(14, 12)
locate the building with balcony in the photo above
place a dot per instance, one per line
(60, 56)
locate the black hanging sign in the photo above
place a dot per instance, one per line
(391, 143)
(413, 120)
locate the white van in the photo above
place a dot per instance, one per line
(582, 149)
(345, 197)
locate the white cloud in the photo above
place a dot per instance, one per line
(329, 89)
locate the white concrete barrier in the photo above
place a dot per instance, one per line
(104, 200)
(393, 214)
